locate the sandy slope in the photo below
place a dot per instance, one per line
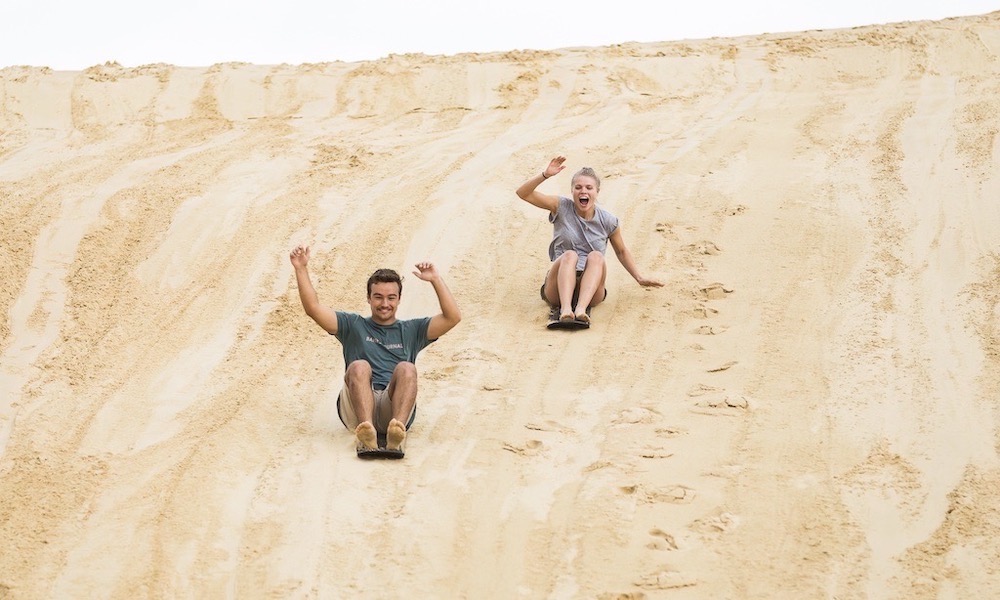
(805, 410)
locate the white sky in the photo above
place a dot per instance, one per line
(76, 34)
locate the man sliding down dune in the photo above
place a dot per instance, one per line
(380, 381)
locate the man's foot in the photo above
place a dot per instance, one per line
(367, 437)
(582, 316)
(395, 435)
(566, 317)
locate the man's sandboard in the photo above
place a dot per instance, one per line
(380, 452)
(555, 323)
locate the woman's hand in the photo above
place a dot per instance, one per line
(555, 166)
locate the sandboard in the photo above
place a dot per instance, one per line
(555, 323)
(381, 451)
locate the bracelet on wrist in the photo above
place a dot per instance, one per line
(544, 176)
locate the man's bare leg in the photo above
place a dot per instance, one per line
(403, 395)
(591, 284)
(395, 436)
(358, 378)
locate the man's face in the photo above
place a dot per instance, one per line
(584, 193)
(384, 299)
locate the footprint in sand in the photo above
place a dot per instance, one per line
(704, 312)
(723, 367)
(476, 354)
(652, 452)
(530, 448)
(666, 580)
(703, 247)
(710, 329)
(670, 432)
(720, 523)
(701, 389)
(662, 541)
(441, 373)
(550, 426)
(713, 291)
(729, 406)
(679, 494)
(634, 416)
(601, 464)
(732, 211)
(732, 401)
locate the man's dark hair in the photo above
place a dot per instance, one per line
(385, 276)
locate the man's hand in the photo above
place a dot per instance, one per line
(426, 271)
(299, 256)
(324, 317)
(450, 315)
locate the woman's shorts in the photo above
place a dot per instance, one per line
(576, 290)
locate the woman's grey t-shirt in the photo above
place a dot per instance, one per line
(570, 231)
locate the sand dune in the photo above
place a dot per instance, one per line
(807, 409)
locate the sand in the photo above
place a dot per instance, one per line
(807, 408)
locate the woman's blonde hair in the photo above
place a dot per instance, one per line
(586, 172)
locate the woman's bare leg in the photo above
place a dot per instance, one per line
(591, 285)
(560, 283)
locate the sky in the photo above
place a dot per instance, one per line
(75, 34)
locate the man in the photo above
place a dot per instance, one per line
(380, 381)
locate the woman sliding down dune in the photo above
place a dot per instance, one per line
(580, 234)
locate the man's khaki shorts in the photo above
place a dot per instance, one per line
(383, 410)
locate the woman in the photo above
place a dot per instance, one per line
(580, 234)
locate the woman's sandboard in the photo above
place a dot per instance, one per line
(555, 323)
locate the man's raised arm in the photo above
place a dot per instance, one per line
(450, 314)
(324, 317)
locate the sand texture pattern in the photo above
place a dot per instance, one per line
(807, 408)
